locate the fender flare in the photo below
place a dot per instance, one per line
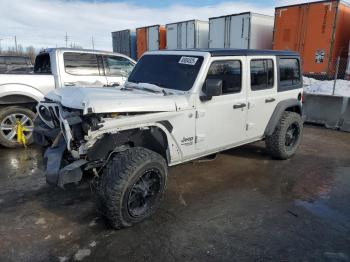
(21, 90)
(277, 114)
(173, 152)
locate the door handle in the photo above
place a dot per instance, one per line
(270, 100)
(237, 106)
(69, 83)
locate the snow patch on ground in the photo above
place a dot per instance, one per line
(313, 86)
(81, 254)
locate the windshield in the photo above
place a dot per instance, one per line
(176, 72)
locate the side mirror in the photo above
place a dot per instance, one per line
(212, 87)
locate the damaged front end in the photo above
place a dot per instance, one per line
(61, 132)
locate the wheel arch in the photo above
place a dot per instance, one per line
(14, 94)
(290, 105)
(156, 137)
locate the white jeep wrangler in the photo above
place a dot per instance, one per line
(176, 106)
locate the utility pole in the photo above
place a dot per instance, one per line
(16, 45)
(66, 37)
(0, 45)
(93, 43)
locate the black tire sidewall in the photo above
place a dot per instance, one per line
(133, 179)
(4, 112)
(291, 119)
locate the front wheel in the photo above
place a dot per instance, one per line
(12, 119)
(131, 186)
(284, 141)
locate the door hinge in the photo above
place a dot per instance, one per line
(200, 114)
(199, 138)
(249, 126)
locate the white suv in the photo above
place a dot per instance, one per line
(175, 107)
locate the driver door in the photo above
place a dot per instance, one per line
(221, 121)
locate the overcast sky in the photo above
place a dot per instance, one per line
(44, 23)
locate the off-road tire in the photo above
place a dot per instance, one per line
(6, 111)
(276, 143)
(121, 173)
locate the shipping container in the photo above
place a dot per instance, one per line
(124, 42)
(242, 31)
(150, 38)
(319, 31)
(187, 35)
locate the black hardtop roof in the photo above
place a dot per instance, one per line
(241, 52)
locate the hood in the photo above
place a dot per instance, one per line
(107, 100)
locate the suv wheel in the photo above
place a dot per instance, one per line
(10, 118)
(284, 141)
(131, 186)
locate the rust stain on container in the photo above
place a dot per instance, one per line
(141, 35)
(150, 38)
(319, 31)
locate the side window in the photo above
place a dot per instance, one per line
(42, 64)
(230, 72)
(118, 66)
(261, 74)
(289, 72)
(83, 64)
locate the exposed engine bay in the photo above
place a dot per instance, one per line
(72, 145)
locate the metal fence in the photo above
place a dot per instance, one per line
(335, 82)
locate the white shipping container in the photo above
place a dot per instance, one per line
(187, 34)
(241, 31)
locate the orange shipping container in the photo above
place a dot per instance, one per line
(150, 38)
(319, 31)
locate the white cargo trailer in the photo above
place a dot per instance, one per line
(124, 42)
(241, 31)
(187, 34)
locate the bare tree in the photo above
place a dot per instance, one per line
(30, 51)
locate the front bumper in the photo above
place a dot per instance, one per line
(57, 173)
(58, 170)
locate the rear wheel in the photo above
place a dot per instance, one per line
(284, 141)
(131, 186)
(11, 118)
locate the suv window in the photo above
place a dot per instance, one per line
(83, 64)
(118, 66)
(169, 71)
(261, 74)
(42, 64)
(289, 72)
(230, 72)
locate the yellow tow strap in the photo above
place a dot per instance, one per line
(21, 138)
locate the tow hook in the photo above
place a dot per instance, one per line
(21, 138)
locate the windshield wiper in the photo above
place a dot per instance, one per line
(140, 88)
(160, 87)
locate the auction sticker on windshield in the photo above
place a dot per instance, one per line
(186, 60)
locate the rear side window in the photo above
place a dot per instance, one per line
(42, 64)
(81, 64)
(261, 74)
(230, 72)
(289, 73)
(15, 60)
(117, 66)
